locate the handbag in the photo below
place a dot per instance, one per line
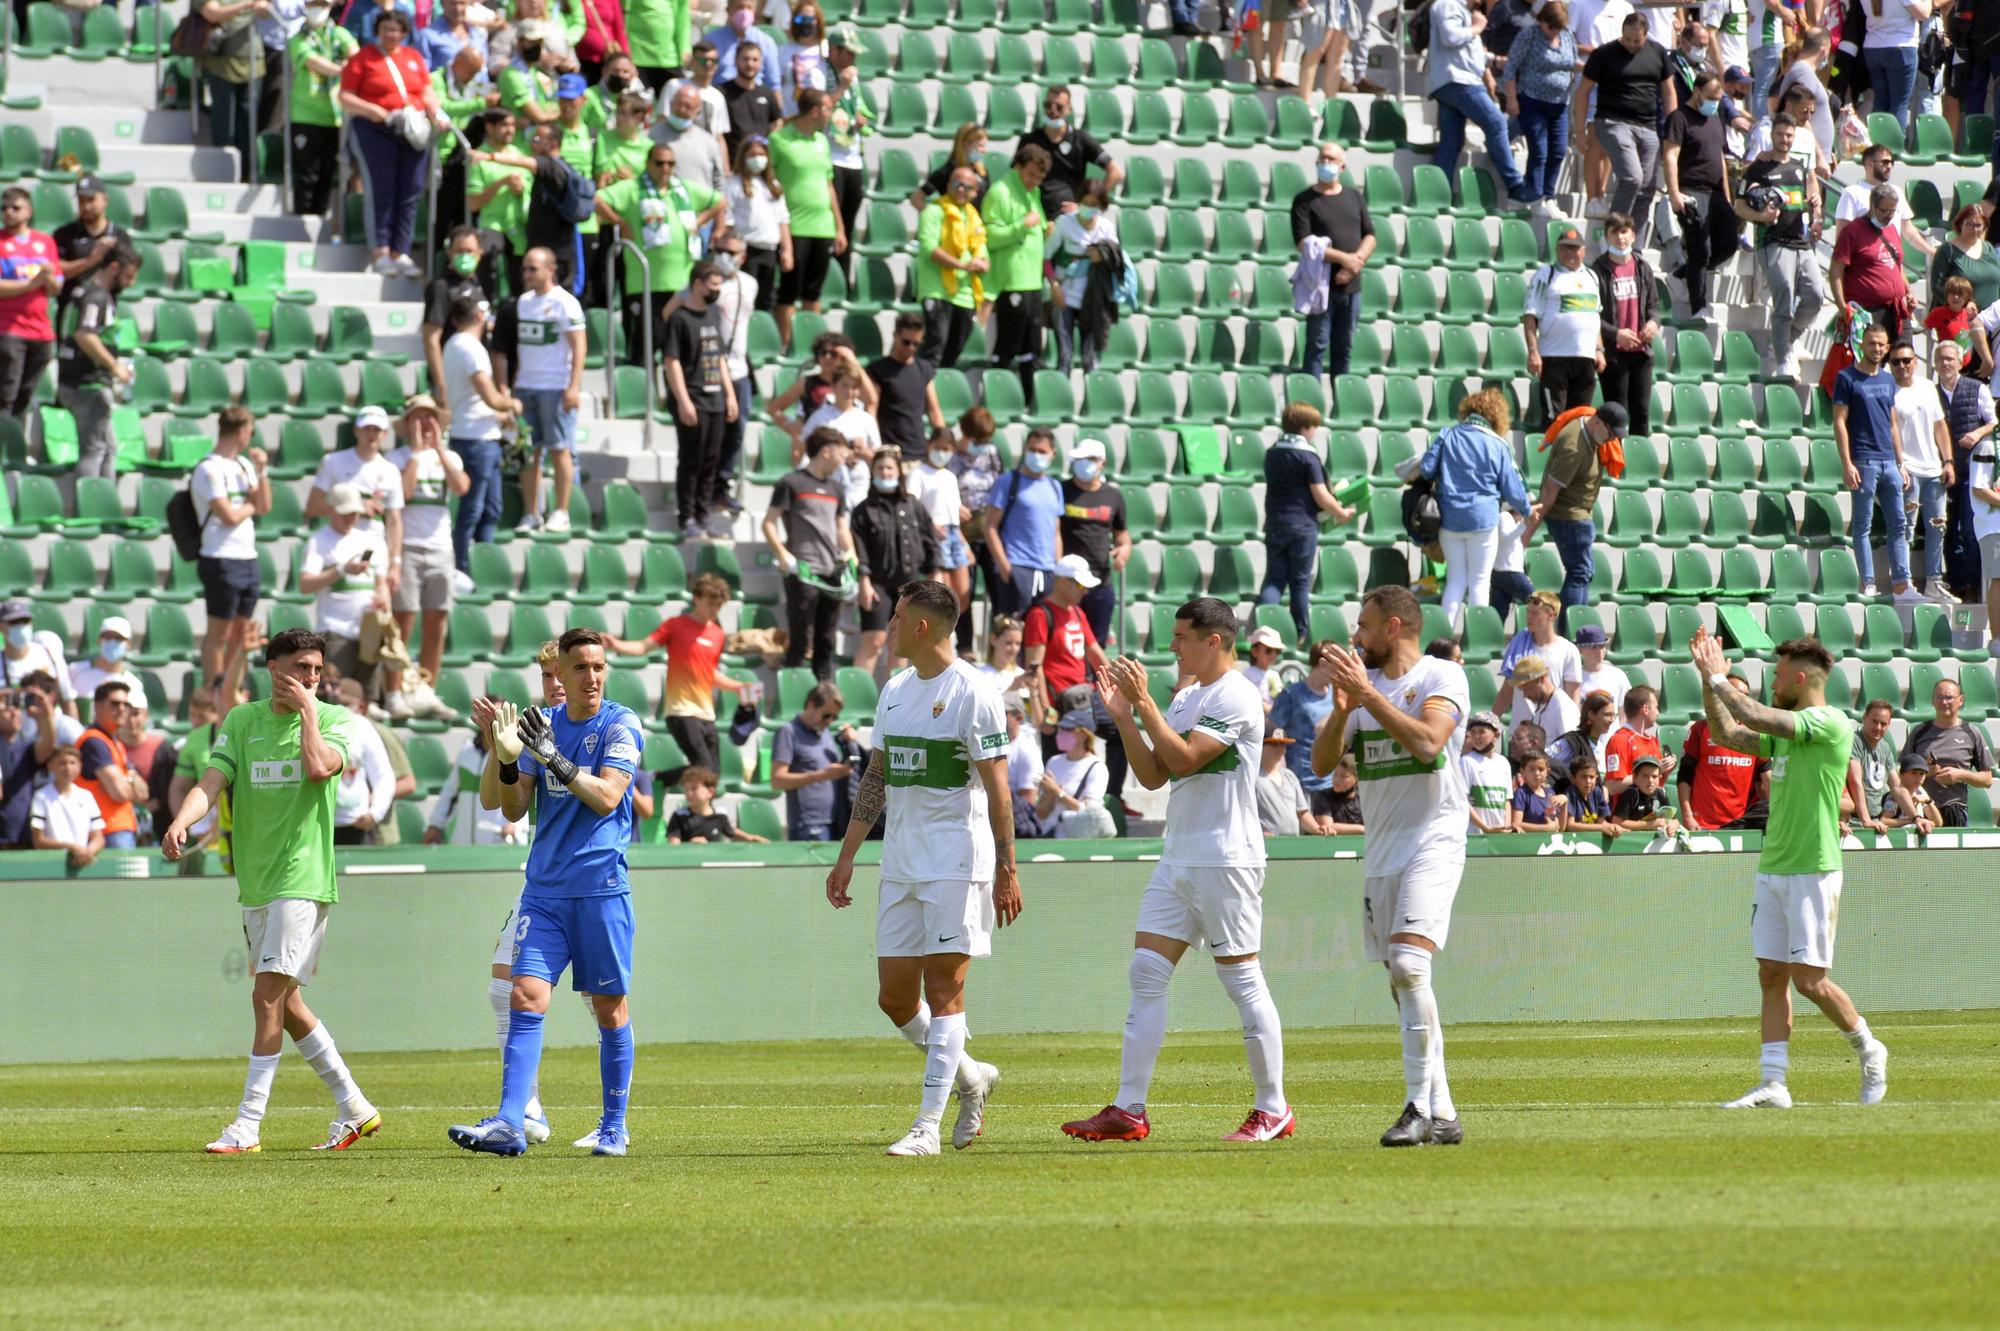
(408, 123)
(193, 35)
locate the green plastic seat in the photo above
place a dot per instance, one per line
(1110, 67)
(1158, 66)
(1201, 123)
(205, 391)
(1931, 142)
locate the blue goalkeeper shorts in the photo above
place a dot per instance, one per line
(591, 936)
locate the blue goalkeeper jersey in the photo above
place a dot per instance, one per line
(577, 853)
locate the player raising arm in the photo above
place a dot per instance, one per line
(1208, 888)
(948, 873)
(1403, 713)
(280, 762)
(1797, 900)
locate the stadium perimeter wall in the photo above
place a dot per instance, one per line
(136, 958)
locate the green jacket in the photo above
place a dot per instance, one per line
(1014, 230)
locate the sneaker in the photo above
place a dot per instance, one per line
(1412, 1129)
(1110, 1124)
(1910, 594)
(611, 1141)
(1263, 1127)
(1446, 1132)
(1771, 1095)
(1767, 365)
(495, 1136)
(399, 710)
(239, 1138)
(1874, 1072)
(692, 531)
(721, 526)
(344, 1132)
(462, 584)
(1597, 208)
(587, 1141)
(558, 521)
(407, 267)
(1790, 369)
(972, 1108)
(532, 522)
(921, 1139)
(384, 266)
(535, 1129)
(1868, 590)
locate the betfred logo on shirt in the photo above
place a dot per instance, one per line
(277, 772)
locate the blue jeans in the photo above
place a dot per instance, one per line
(1507, 588)
(1892, 73)
(1573, 544)
(479, 510)
(1183, 11)
(125, 840)
(809, 832)
(1930, 514)
(1458, 103)
(1764, 62)
(1330, 335)
(1546, 127)
(1880, 482)
(1290, 555)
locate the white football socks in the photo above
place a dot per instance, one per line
(1860, 1035)
(917, 1031)
(1263, 1036)
(944, 1047)
(257, 1087)
(318, 1050)
(1774, 1059)
(500, 993)
(1145, 1027)
(1410, 975)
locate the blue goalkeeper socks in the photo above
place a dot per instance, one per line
(520, 1064)
(614, 1065)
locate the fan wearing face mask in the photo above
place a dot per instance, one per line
(316, 54)
(802, 62)
(738, 30)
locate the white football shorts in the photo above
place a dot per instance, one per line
(934, 918)
(503, 946)
(284, 937)
(1217, 906)
(1793, 917)
(1415, 901)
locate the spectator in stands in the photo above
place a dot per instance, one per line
(1874, 798)
(739, 35)
(152, 755)
(1024, 528)
(1541, 639)
(970, 150)
(1472, 466)
(734, 306)
(1301, 708)
(1080, 238)
(853, 121)
(663, 215)
(1878, 164)
(1016, 233)
(1599, 675)
(703, 395)
(1322, 46)
(458, 281)
(894, 543)
(1489, 780)
(225, 72)
(1772, 29)
(1093, 525)
(31, 727)
(1344, 816)
(1024, 765)
(807, 530)
(87, 241)
(693, 642)
(1003, 654)
(1637, 90)
(1564, 327)
(345, 567)
(1570, 483)
(976, 462)
(935, 486)
(1508, 585)
(1296, 494)
(1867, 266)
(1952, 752)
(1969, 416)
(1965, 253)
(206, 706)
(1595, 715)
(698, 821)
(603, 35)
(1536, 698)
(755, 109)
(1637, 736)
(1282, 804)
(804, 164)
(810, 391)
(758, 215)
(1540, 78)
(464, 92)
(1714, 782)
(546, 377)
(1058, 648)
(447, 34)
(808, 765)
(528, 82)
(905, 394)
(402, 777)
(845, 413)
(1589, 807)
(1698, 188)
(577, 145)
(1267, 646)
(315, 57)
(699, 74)
(1871, 455)
(231, 489)
(802, 61)
(951, 260)
(1335, 237)
(377, 82)
(1889, 50)
(1812, 57)
(64, 816)
(88, 371)
(543, 221)
(365, 801)
(624, 146)
(368, 468)
(699, 156)
(1538, 807)
(433, 473)
(498, 181)
(1782, 195)
(1927, 460)
(1641, 805)
(1526, 737)
(657, 33)
(478, 409)
(114, 640)
(1072, 152)
(30, 273)
(107, 772)
(1456, 78)
(1628, 322)
(28, 653)
(1069, 798)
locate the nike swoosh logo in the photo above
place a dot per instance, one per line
(267, 959)
(610, 980)
(946, 938)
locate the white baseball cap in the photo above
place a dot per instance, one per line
(1088, 448)
(371, 418)
(115, 626)
(1266, 636)
(1077, 569)
(345, 498)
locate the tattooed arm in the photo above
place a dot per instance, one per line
(1000, 816)
(869, 801)
(1735, 719)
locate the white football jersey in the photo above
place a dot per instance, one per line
(1489, 784)
(932, 731)
(1212, 815)
(1409, 805)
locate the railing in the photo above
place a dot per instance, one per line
(432, 244)
(611, 253)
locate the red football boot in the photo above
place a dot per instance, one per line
(1110, 1124)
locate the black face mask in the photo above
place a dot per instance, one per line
(617, 83)
(531, 52)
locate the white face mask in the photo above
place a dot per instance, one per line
(756, 165)
(316, 16)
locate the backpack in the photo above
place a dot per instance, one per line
(184, 524)
(577, 202)
(1418, 21)
(1422, 518)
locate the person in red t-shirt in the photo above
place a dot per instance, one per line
(1867, 267)
(1057, 646)
(377, 82)
(1640, 734)
(694, 644)
(1715, 784)
(30, 276)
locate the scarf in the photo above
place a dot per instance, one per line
(963, 236)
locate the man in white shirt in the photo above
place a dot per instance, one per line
(378, 481)
(63, 815)
(701, 66)
(1564, 330)
(1927, 457)
(1599, 675)
(1024, 765)
(1878, 163)
(547, 377)
(367, 786)
(344, 566)
(432, 472)
(1539, 639)
(734, 306)
(231, 489)
(1537, 699)
(114, 639)
(27, 652)
(477, 409)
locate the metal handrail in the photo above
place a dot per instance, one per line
(253, 130)
(618, 245)
(436, 178)
(285, 135)
(159, 56)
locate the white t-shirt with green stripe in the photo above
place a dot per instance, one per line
(1410, 806)
(426, 515)
(932, 732)
(1212, 815)
(1489, 784)
(543, 324)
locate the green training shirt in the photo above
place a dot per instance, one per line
(282, 824)
(1808, 772)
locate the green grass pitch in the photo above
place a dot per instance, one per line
(1598, 1186)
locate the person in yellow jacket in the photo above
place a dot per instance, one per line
(951, 255)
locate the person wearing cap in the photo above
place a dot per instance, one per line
(527, 86)
(378, 480)
(86, 241)
(699, 74)
(1282, 806)
(1266, 647)
(1093, 525)
(1024, 526)
(315, 56)
(1565, 340)
(1628, 315)
(152, 755)
(1599, 675)
(345, 566)
(1489, 777)
(114, 640)
(1471, 463)
(88, 369)
(698, 154)
(433, 474)
(1069, 798)
(1643, 806)
(740, 33)
(1058, 647)
(1568, 500)
(578, 147)
(852, 123)
(1537, 699)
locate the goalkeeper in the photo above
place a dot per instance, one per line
(576, 905)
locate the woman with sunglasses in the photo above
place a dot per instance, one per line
(802, 62)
